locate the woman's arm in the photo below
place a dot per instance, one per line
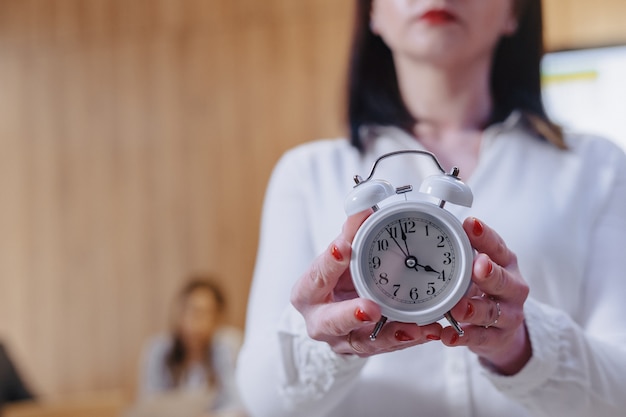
(153, 377)
(580, 365)
(299, 358)
(276, 369)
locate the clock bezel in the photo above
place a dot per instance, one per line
(459, 284)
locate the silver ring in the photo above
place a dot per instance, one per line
(499, 312)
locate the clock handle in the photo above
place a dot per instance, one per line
(454, 323)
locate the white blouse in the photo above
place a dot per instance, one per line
(155, 377)
(563, 212)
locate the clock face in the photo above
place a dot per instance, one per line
(413, 261)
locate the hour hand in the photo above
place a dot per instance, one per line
(429, 268)
(426, 268)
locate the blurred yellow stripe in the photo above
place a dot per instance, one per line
(569, 76)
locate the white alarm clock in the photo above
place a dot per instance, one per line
(411, 257)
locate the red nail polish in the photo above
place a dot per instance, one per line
(470, 311)
(489, 268)
(402, 336)
(334, 250)
(433, 337)
(478, 227)
(361, 315)
(454, 339)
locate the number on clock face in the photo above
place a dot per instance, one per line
(411, 260)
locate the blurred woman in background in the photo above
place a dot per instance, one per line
(198, 355)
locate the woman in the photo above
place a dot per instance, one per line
(199, 354)
(459, 79)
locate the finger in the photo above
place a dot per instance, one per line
(499, 282)
(484, 239)
(353, 223)
(317, 283)
(478, 337)
(486, 311)
(473, 291)
(330, 320)
(394, 336)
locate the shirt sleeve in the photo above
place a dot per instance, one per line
(153, 378)
(280, 369)
(582, 363)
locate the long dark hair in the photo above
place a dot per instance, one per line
(374, 96)
(177, 355)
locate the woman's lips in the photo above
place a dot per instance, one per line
(437, 17)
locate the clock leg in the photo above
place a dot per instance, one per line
(378, 327)
(454, 323)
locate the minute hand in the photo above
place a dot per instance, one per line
(396, 241)
(403, 235)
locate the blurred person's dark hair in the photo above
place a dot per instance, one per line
(176, 357)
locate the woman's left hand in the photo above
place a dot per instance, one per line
(492, 312)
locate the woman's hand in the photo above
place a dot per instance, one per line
(492, 313)
(334, 313)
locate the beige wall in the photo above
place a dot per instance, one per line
(577, 23)
(136, 140)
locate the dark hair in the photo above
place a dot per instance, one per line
(374, 97)
(175, 358)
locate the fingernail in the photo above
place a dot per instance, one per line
(470, 311)
(433, 337)
(454, 338)
(361, 315)
(478, 227)
(402, 336)
(334, 250)
(489, 268)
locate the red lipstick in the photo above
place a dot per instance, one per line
(438, 16)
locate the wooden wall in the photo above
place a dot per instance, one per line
(136, 140)
(579, 23)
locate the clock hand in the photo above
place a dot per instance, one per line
(426, 268)
(404, 239)
(429, 268)
(396, 241)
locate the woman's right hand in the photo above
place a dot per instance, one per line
(335, 314)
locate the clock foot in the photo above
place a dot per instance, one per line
(378, 327)
(454, 323)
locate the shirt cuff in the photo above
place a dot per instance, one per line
(311, 368)
(543, 326)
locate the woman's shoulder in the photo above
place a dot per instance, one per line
(322, 146)
(157, 346)
(320, 151)
(229, 337)
(595, 150)
(315, 162)
(583, 142)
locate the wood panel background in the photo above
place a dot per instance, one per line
(136, 140)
